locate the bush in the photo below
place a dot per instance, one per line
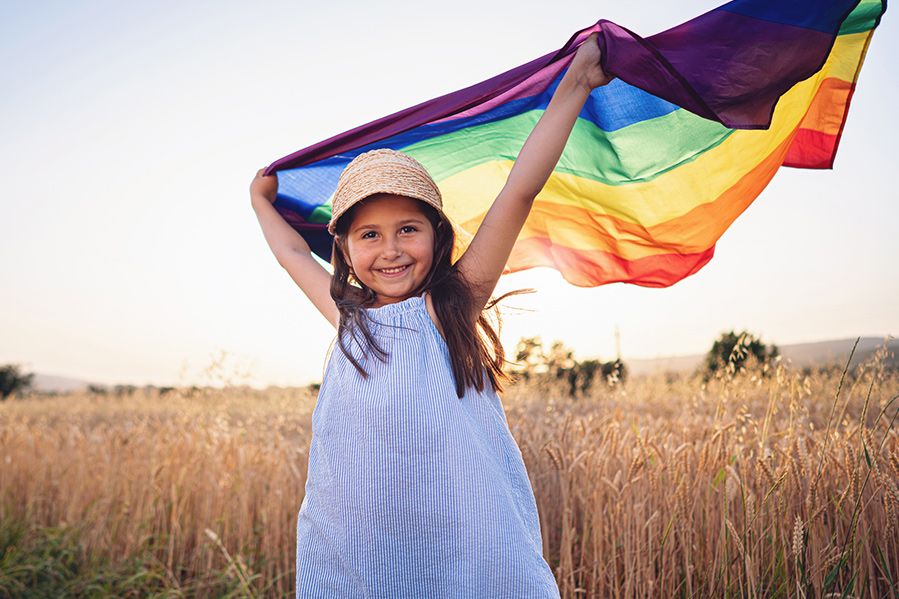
(732, 351)
(13, 380)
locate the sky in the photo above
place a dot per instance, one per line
(130, 253)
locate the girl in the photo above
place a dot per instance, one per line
(416, 487)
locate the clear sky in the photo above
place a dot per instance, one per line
(130, 133)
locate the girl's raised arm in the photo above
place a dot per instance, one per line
(485, 258)
(291, 249)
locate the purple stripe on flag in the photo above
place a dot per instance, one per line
(533, 85)
(431, 110)
(723, 66)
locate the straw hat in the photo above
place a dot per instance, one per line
(382, 171)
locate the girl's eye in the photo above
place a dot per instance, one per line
(404, 229)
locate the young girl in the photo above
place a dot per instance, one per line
(416, 487)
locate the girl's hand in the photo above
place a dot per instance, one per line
(265, 186)
(586, 65)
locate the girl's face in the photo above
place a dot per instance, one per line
(390, 246)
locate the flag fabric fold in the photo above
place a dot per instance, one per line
(660, 161)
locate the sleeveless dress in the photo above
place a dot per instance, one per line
(411, 491)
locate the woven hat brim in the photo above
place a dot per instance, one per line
(382, 171)
(332, 224)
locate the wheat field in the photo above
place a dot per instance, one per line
(771, 483)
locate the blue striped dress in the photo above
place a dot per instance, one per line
(411, 491)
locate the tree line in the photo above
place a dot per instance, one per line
(534, 362)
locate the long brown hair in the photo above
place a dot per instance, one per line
(474, 348)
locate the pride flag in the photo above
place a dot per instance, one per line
(660, 161)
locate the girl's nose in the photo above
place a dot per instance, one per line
(392, 248)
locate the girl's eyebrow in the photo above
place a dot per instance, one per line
(402, 222)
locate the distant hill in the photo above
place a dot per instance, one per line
(821, 353)
(48, 382)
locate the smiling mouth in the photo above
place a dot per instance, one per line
(393, 271)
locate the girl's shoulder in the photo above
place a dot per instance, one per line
(429, 304)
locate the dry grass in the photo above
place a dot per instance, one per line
(655, 488)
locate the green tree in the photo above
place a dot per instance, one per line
(732, 350)
(614, 371)
(559, 361)
(124, 390)
(534, 362)
(581, 376)
(13, 380)
(529, 357)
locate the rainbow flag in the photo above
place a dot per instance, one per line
(661, 160)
